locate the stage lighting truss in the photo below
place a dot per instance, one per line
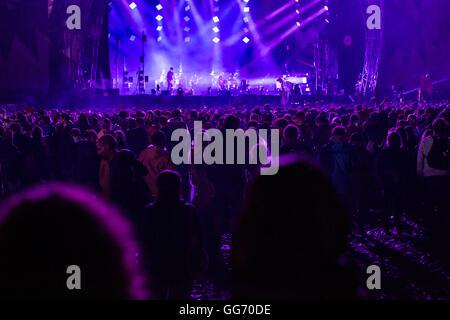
(374, 46)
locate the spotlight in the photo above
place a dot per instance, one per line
(216, 40)
(186, 18)
(187, 29)
(215, 29)
(159, 28)
(159, 39)
(246, 40)
(246, 19)
(298, 11)
(159, 6)
(187, 39)
(326, 8)
(132, 38)
(298, 23)
(187, 8)
(132, 5)
(159, 17)
(246, 9)
(216, 19)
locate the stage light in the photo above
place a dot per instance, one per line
(246, 9)
(159, 17)
(159, 28)
(216, 19)
(298, 23)
(215, 29)
(187, 29)
(159, 6)
(132, 38)
(246, 19)
(298, 11)
(186, 18)
(133, 6)
(215, 39)
(246, 1)
(246, 40)
(327, 21)
(159, 39)
(187, 8)
(326, 8)
(187, 39)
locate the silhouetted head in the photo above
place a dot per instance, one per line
(106, 124)
(107, 146)
(394, 140)
(169, 185)
(291, 133)
(231, 122)
(288, 241)
(47, 229)
(158, 139)
(439, 127)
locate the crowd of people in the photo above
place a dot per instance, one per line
(338, 164)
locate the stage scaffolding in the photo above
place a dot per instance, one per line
(373, 51)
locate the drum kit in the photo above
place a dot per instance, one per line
(228, 82)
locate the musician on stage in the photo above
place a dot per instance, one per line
(222, 82)
(170, 79)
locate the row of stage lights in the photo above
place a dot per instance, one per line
(215, 19)
(298, 11)
(216, 39)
